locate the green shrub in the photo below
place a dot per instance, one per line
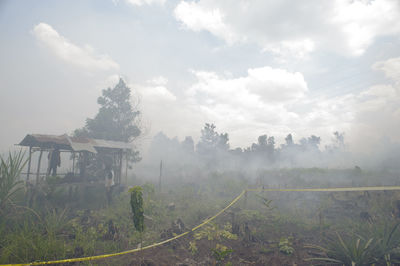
(137, 208)
(220, 252)
(285, 245)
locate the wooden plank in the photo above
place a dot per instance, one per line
(29, 163)
(38, 167)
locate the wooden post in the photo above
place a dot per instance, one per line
(48, 163)
(38, 167)
(83, 162)
(245, 199)
(126, 167)
(29, 163)
(73, 163)
(120, 168)
(159, 180)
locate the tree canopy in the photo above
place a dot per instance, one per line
(211, 140)
(117, 119)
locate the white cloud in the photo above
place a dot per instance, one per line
(155, 91)
(295, 28)
(377, 115)
(390, 67)
(198, 18)
(363, 21)
(261, 85)
(71, 53)
(110, 81)
(160, 80)
(377, 109)
(299, 49)
(156, 94)
(145, 2)
(266, 100)
(164, 111)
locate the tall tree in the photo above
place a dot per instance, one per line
(262, 140)
(211, 140)
(311, 143)
(188, 145)
(264, 148)
(117, 118)
(289, 140)
(212, 146)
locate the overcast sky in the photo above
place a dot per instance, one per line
(252, 67)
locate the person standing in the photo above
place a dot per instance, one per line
(54, 161)
(109, 182)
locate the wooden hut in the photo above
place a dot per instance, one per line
(79, 147)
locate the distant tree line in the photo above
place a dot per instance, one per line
(214, 151)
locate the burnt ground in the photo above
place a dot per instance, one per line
(253, 250)
(244, 253)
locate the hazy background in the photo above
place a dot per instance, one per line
(250, 67)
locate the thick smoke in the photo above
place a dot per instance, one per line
(213, 153)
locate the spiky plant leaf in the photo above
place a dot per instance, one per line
(10, 170)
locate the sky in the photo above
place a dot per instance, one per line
(306, 67)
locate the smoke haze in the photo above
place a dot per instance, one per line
(315, 69)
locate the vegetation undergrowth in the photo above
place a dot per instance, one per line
(55, 228)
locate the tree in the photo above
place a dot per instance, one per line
(314, 141)
(310, 143)
(271, 142)
(188, 145)
(264, 148)
(164, 148)
(337, 142)
(212, 146)
(289, 140)
(262, 140)
(339, 139)
(117, 119)
(211, 140)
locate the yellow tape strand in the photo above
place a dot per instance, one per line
(212, 218)
(326, 189)
(221, 211)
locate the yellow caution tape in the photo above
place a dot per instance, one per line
(210, 219)
(221, 211)
(343, 189)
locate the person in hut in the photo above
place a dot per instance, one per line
(109, 182)
(54, 161)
